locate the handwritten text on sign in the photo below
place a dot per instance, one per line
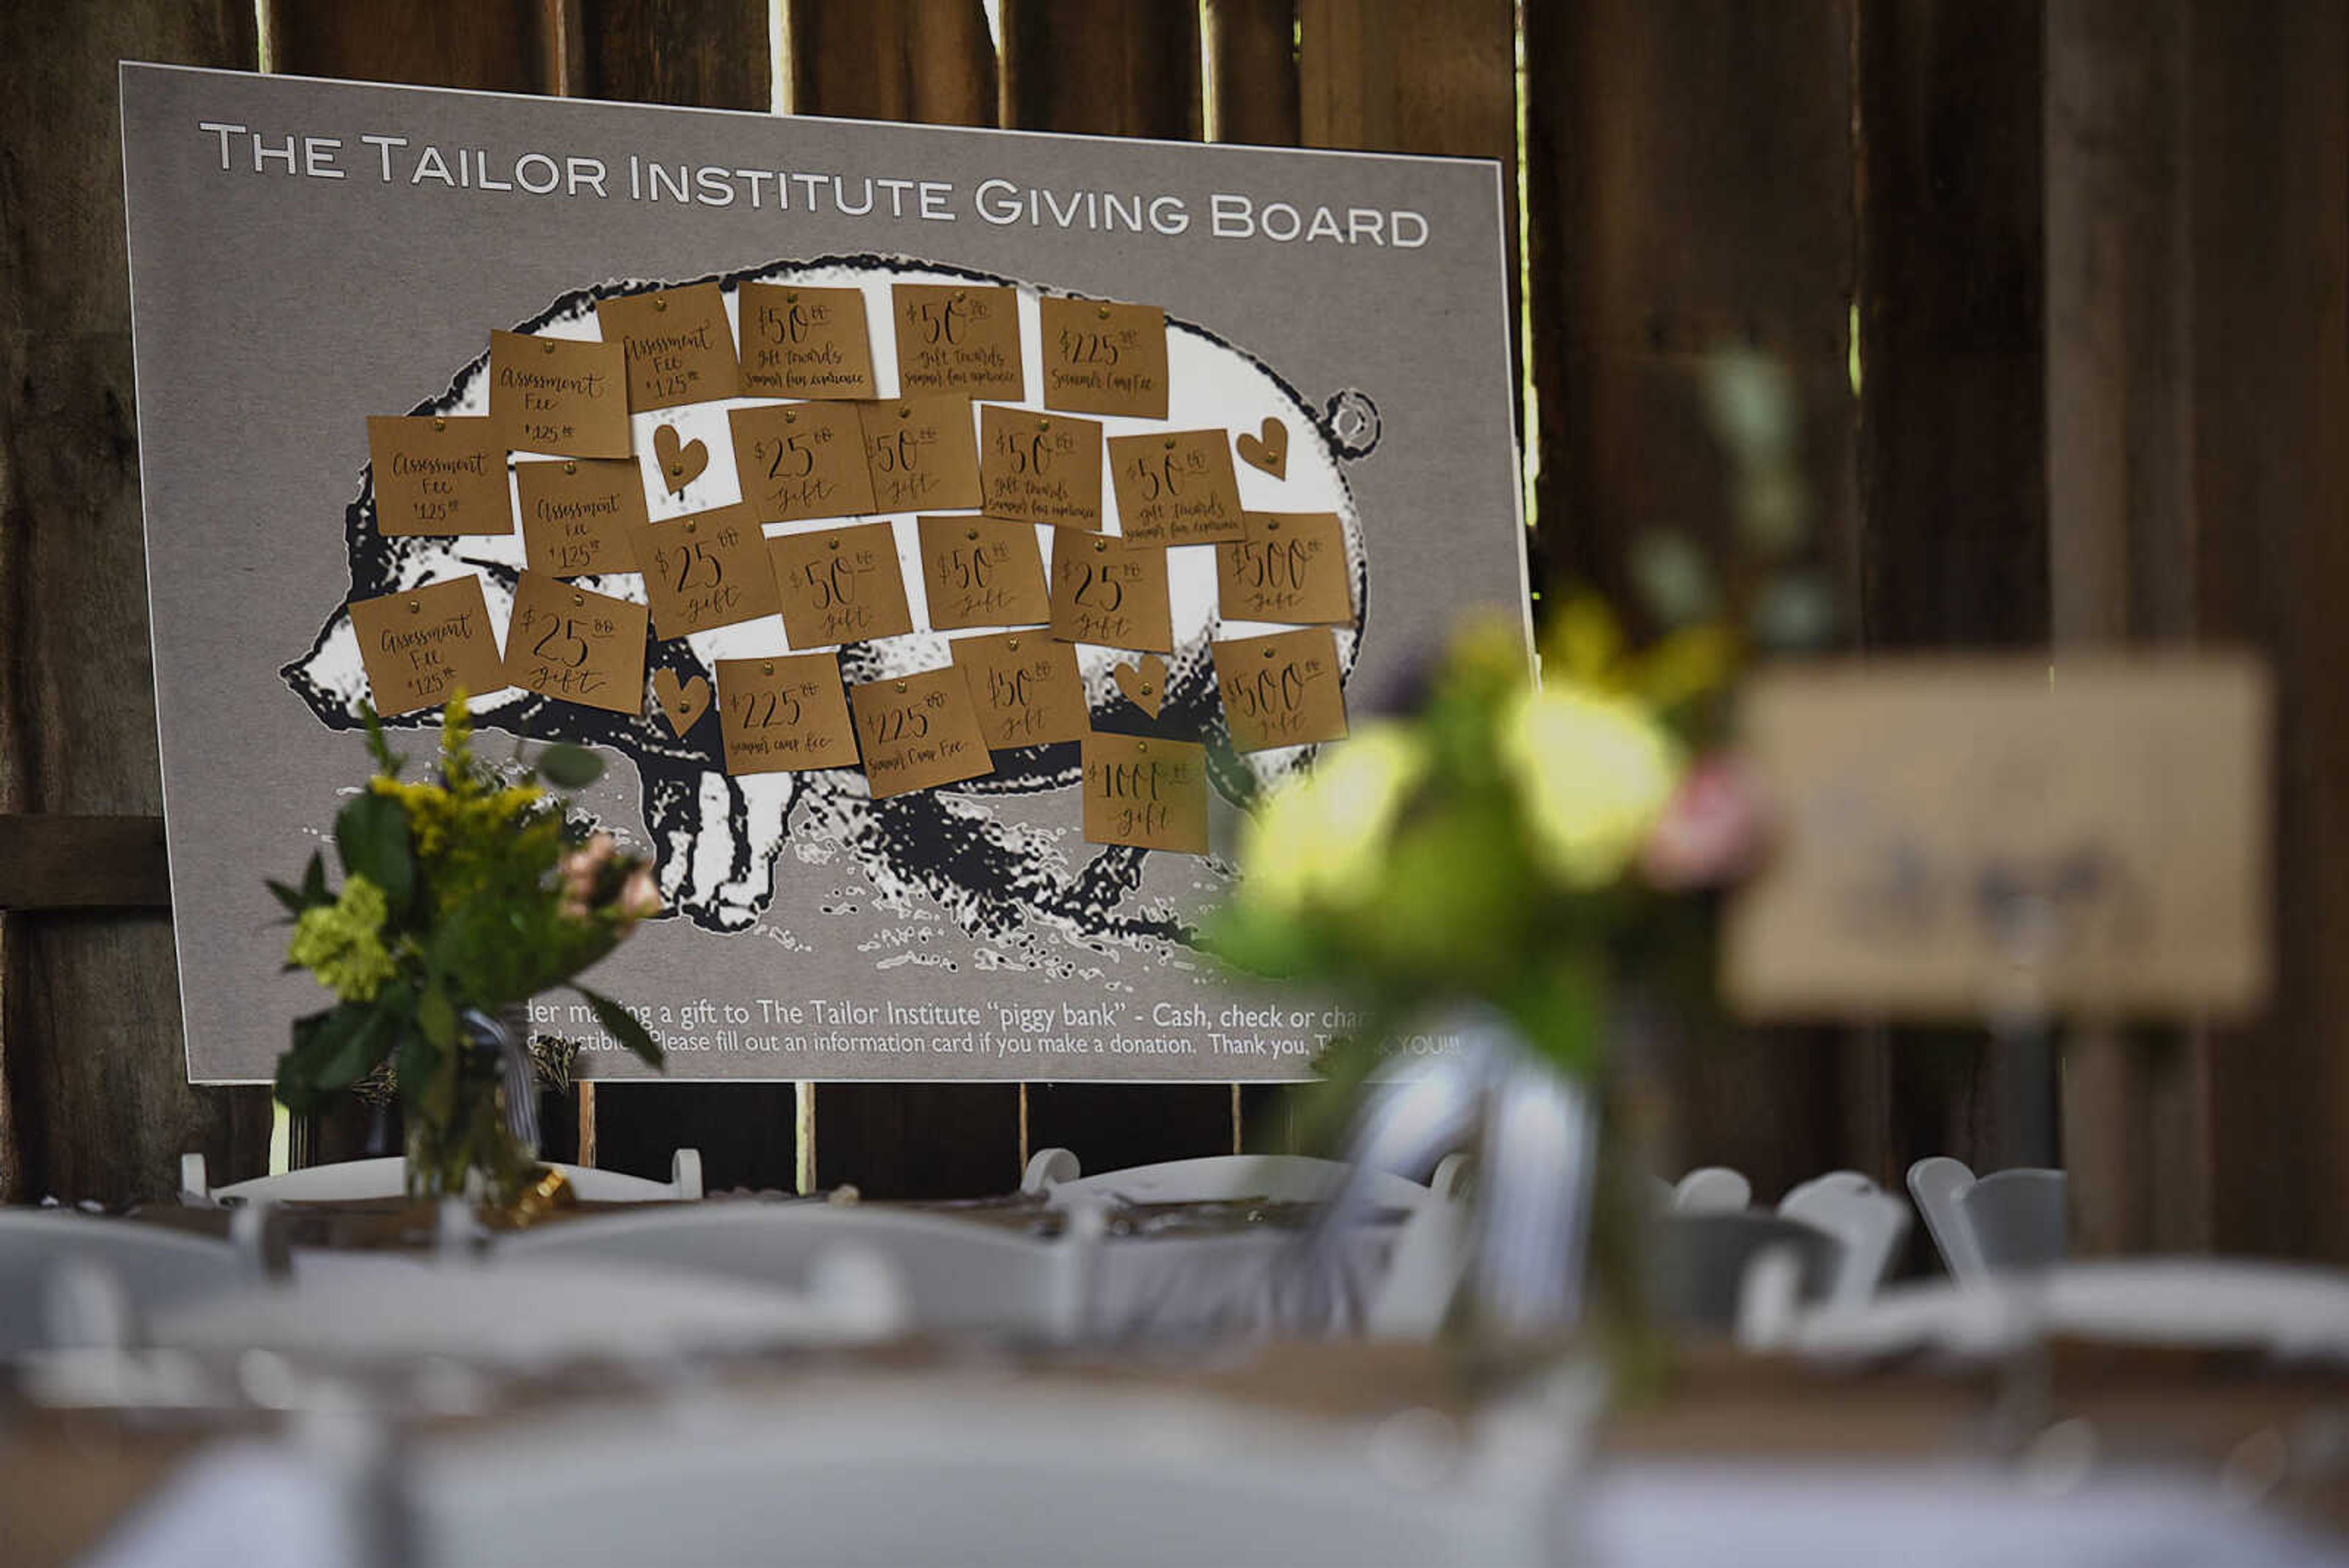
(1286, 566)
(982, 571)
(566, 643)
(841, 585)
(1104, 359)
(802, 460)
(805, 342)
(952, 338)
(438, 474)
(558, 395)
(706, 570)
(1108, 591)
(1026, 688)
(917, 732)
(677, 345)
(921, 453)
(1177, 488)
(423, 644)
(1956, 836)
(1282, 689)
(1040, 468)
(786, 714)
(577, 514)
(1148, 793)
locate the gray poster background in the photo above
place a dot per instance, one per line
(273, 313)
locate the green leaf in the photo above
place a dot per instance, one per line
(569, 767)
(621, 1025)
(371, 834)
(435, 1017)
(314, 881)
(416, 1064)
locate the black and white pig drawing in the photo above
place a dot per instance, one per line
(718, 838)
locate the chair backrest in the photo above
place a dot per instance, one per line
(1225, 1178)
(1698, 1262)
(2017, 1219)
(958, 1275)
(1711, 1189)
(145, 1268)
(2008, 1219)
(1937, 1184)
(869, 1474)
(1867, 1224)
(356, 1180)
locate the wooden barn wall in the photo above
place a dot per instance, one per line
(1784, 175)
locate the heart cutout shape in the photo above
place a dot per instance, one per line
(683, 702)
(1143, 683)
(1269, 452)
(681, 462)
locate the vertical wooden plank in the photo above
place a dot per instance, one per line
(94, 1098)
(1123, 70)
(496, 45)
(1951, 536)
(706, 54)
(1249, 90)
(929, 61)
(1689, 186)
(1128, 70)
(932, 61)
(2268, 110)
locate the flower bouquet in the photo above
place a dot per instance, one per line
(1535, 866)
(462, 896)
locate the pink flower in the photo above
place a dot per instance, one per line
(1711, 833)
(639, 897)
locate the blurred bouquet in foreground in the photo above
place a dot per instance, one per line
(463, 897)
(1536, 865)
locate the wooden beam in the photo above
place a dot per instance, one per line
(83, 862)
(94, 1097)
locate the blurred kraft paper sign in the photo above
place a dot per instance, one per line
(1965, 837)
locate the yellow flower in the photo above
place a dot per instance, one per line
(1594, 771)
(1319, 840)
(342, 942)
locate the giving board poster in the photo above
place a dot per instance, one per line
(940, 535)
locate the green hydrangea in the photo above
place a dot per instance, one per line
(342, 942)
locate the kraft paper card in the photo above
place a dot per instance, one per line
(982, 571)
(1104, 359)
(1286, 566)
(922, 453)
(951, 338)
(1107, 590)
(438, 474)
(918, 732)
(784, 714)
(567, 643)
(706, 570)
(1040, 468)
(1176, 488)
(805, 342)
(1282, 689)
(422, 644)
(680, 349)
(577, 514)
(799, 461)
(1148, 793)
(560, 395)
(1026, 687)
(1959, 838)
(841, 585)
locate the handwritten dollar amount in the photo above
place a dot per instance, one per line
(901, 452)
(907, 721)
(1100, 589)
(1103, 348)
(778, 708)
(944, 323)
(1280, 566)
(1032, 452)
(693, 566)
(836, 583)
(794, 325)
(1273, 694)
(793, 457)
(1141, 793)
(1166, 475)
(564, 639)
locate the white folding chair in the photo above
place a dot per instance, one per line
(70, 1279)
(958, 1275)
(1218, 1179)
(866, 1473)
(2009, 1219)
(1867, 1224)
(356, 1180)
